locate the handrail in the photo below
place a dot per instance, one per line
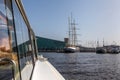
(22, 11)
(13, 65)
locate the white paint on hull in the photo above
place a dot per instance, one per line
(45, 71)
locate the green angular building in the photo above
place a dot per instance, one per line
(45, 44)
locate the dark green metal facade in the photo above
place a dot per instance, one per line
(49, 44)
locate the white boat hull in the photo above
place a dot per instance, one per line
(69, 49)
(45, 71)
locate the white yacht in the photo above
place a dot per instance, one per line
(18, 51)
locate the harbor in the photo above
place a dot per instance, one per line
(51, 45)
(60, 40)
(86, 66)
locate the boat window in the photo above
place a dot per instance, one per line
(23, 40)
(4, 40)
(4, 43)
(7, 42)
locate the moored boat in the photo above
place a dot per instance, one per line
(100, 50)
(71, 42)
(114, 51)
(69, 49)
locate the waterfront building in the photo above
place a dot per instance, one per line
(46, 44)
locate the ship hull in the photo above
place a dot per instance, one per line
(69, 50)
(100, 50)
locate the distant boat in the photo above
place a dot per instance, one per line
(71, 42)
(114, 50)
(69, 49)
(100, 50)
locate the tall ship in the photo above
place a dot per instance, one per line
(19, 59)
(71, 41)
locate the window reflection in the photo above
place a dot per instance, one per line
(4, 39)
(15, 40)
(23, 39)
(7, 42)
(5, 67)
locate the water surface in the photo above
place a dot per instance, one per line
(86, 66)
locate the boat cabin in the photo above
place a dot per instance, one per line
(17, 42)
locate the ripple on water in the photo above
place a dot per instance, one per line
(86, 66)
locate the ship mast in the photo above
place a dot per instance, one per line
(72, 32)
(69, 39)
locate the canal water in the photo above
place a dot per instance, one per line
(86, 66)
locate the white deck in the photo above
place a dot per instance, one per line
(45, 71)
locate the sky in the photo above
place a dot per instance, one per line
(97, 20)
